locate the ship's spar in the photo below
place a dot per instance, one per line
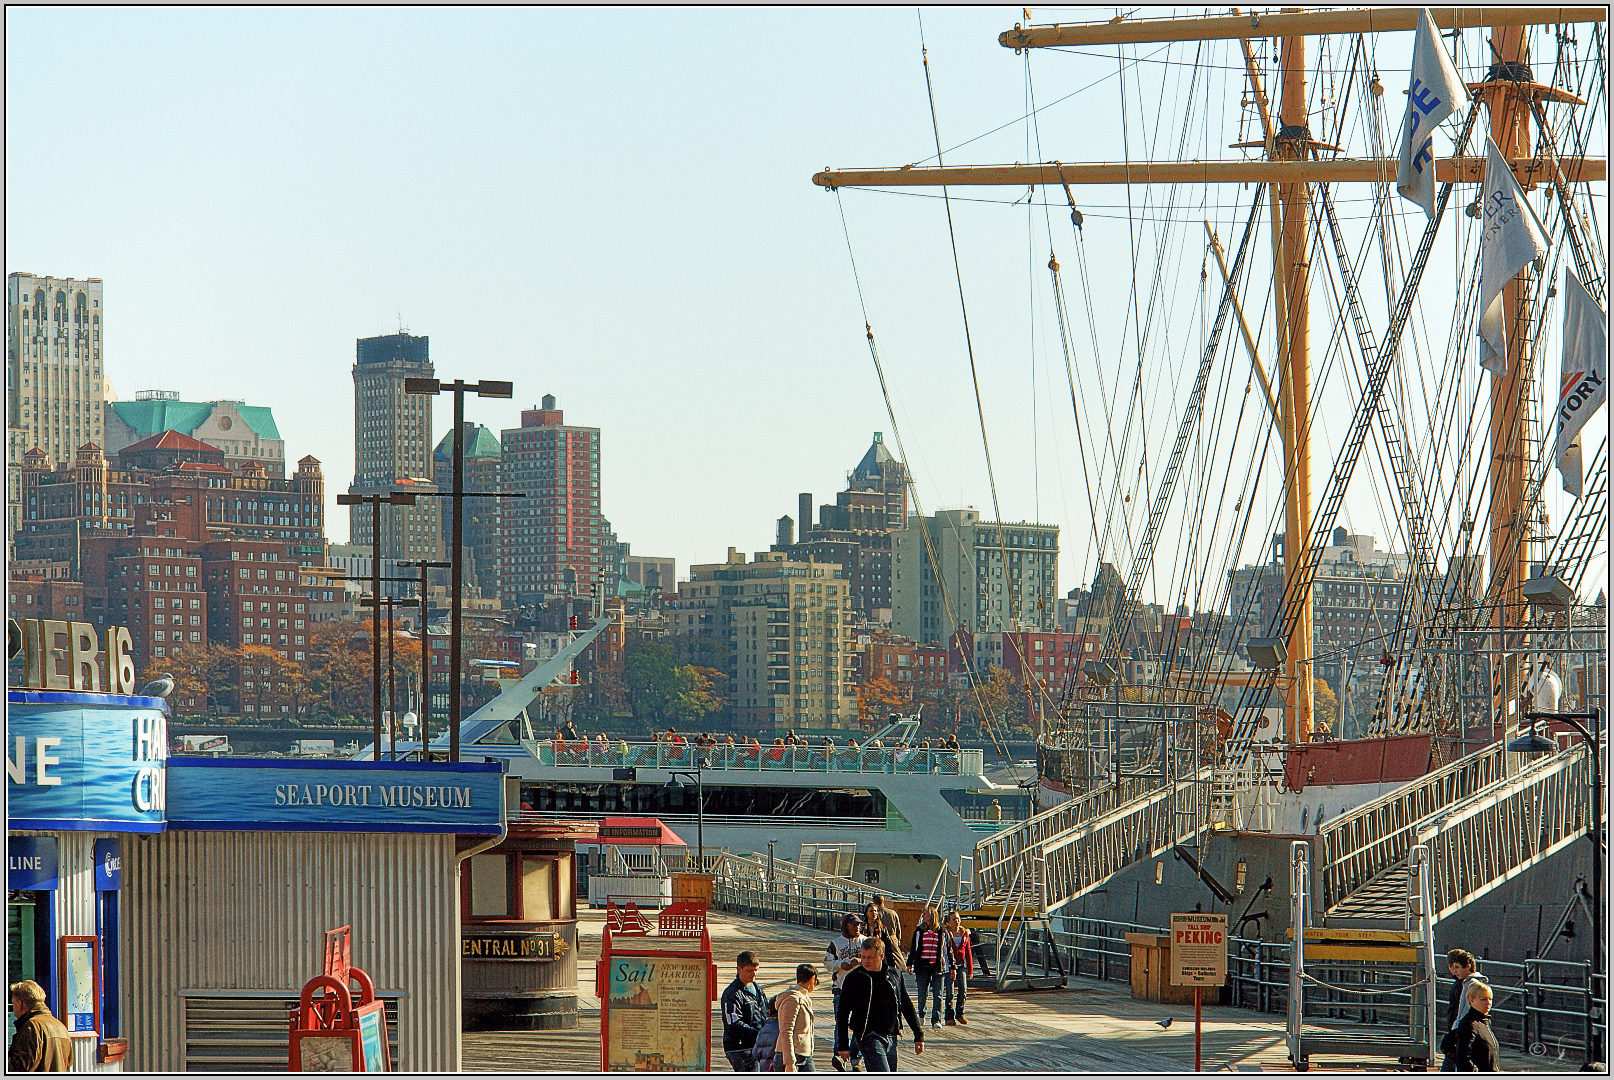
(1290, 168)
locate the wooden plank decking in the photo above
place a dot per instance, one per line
(1087, 1027)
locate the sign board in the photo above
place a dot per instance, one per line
(1198, 950)
(31, 862)
(373, 1036)
(85, 761)
(108, 865)
(658, 1012)
(336, 796)
(80, 968)
(547, 946)
(62, 655)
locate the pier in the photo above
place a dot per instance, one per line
(1090, 1026)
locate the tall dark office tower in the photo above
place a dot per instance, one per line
(550, 541)
(392, 447)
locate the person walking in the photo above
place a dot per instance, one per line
(795, 1043)
(844, 954)
(874, 1003)
(1464, 970)
(927, 956)
(745, 1011)
(767, 1039)
(888, 918)
(960, 966)
(1474, 1043)
(41, 1042)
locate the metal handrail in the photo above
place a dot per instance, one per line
(1358, 846)
(813, 759)
(996, 855)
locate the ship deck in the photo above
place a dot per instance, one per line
(1090, 1026)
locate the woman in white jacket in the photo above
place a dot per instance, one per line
(795, 1044)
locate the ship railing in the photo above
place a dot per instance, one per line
(1358, 846)
(687, 823)
(890, 761)
(1081, 859)
(998, 856)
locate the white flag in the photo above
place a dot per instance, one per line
(1511, 240)
(1436, 92)
(1585, 376)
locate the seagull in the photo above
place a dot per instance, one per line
(159, 687)
(1164, 1023)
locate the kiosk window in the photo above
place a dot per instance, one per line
(538, 889)
(490, 887)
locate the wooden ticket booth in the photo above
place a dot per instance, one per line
(518, 930)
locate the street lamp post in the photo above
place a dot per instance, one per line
(391, 498)
(459, 388)
(1531, 743)
(425, 661)
(700, 812)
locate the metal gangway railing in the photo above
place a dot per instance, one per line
(1377, 836)
(997, 860)
(1484, 818)
(899, 761)
(1483, 841)
(1082, 858)
(779, 889)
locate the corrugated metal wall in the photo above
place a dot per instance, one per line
(249, 911)
(75, 902)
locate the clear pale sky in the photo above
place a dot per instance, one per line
(614, 206)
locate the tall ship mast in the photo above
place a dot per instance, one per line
(1467, 647)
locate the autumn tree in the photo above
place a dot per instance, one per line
(662, 692)
(1325, 706)
(877, 699)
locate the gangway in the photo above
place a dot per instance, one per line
(1485, 819)
(1401, 948)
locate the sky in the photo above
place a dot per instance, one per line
(614, 206)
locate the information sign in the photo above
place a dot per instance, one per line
(658, 1012)
(373, 1036)
(81, 995)
(31, 862)
(1198, 950)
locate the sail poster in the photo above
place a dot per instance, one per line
(658, 1014)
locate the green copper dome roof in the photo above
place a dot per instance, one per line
(483, 444)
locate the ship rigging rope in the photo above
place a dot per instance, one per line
(913, 487)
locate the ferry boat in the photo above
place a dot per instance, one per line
(882, 810)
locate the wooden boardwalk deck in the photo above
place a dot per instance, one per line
(1087, 1027)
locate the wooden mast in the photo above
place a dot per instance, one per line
(1294, 267)
(1508, 100)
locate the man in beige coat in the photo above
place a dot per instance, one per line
(41, 1043)
(795, 1045)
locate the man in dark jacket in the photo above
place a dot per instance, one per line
(874, 1003)
(745, 1011)
(1461, 964)
(41, 1043)
(1474, 1047)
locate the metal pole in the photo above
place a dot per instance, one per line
(700, 820)
(456, 572)
(1594, 1044)
(1198, 993)
(425, 673)
(375, 620)
(392, 683)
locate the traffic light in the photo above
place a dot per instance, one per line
(575, 678)
(573, 623)
(594, 589)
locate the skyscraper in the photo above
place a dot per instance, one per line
(392, 448)
(55, 392)
(482, 473)
(550, 540)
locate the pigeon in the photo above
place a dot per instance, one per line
(159, 687)
(1164, 1023)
